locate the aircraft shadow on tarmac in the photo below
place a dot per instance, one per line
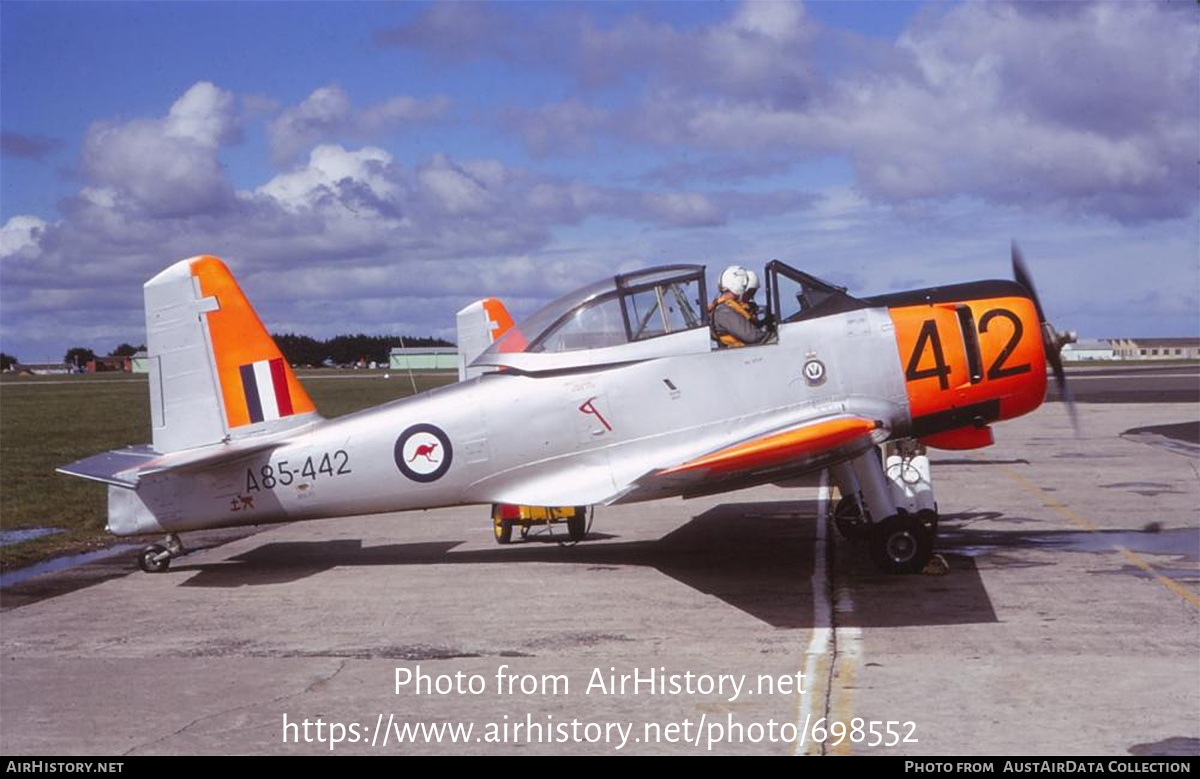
(756, 557)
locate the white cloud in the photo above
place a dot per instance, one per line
(166, 166)
(328, 165)
(21, 233)
(683, 209)
(328, 115)
(1085, 107)
(204, 115)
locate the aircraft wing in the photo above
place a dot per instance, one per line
(774, 456)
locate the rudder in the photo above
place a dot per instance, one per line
(215, 372)
(479, 325)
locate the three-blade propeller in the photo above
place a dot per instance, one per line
(1052, 340)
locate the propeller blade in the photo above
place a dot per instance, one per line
(1025, 279)
(1053, 354)
(1052, 342)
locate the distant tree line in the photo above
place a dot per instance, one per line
(345, 349)
(297, 349)
(79, 356)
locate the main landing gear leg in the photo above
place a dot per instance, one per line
(899, 540)
(156, 558)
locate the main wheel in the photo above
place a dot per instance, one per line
(901, 544)
(848, 518)
(150, 559)
(577, 524)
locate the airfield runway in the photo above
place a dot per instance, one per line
(1068, 623)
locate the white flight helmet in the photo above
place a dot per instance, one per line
(752, 284)
(735, 279)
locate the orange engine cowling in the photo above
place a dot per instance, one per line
(968, 360)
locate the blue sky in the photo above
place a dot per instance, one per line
(375, 166)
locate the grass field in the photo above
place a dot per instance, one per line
(48, 421)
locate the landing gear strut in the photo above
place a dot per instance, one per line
(849, 519)
(891, 508)
(156, 558)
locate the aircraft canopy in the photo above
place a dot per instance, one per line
(617, 310)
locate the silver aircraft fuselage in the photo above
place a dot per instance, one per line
(548, 433)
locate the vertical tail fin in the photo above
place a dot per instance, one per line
(479, 325)
(215, 373)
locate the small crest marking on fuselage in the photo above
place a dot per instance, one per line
(814, 373)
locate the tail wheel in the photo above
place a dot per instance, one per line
(902, 543)
(154, 559)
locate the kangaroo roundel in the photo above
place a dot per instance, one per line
(423, 453)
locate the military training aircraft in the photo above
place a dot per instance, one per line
(617, 392)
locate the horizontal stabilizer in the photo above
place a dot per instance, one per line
(118, 467)
(125, 467)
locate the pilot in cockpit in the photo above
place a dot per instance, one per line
(734, 319)
(748, 297)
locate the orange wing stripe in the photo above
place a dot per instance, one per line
(781, 447)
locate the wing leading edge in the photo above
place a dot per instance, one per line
(814, 444)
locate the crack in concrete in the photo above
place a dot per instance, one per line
(233, 709)
(830, 593)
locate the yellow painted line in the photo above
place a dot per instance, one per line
(1165, 581)
(1065, 511)
(845, 678)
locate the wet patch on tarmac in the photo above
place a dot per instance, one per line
(62, 563)
(1176, 746)
(1181, 431)
(8, 537)
(966, 518)
(75, 572)
(1181, 575)
(1147, 489)
(1182, 437)
(1181, 543)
